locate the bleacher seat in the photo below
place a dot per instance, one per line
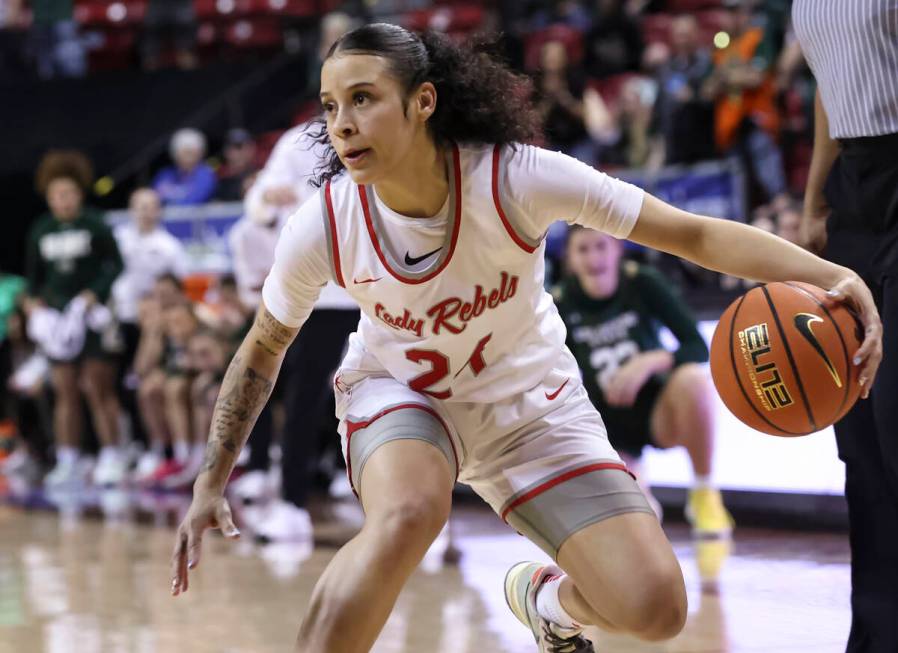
(689, 6)
(263, 33)
(656, 28)
(449, 18)
(108, 13)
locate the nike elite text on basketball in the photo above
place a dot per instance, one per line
(754, 342)
(452, 313)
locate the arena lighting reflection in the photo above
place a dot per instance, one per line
(745, 459)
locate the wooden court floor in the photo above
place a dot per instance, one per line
(92, 576)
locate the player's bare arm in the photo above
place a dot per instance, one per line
(751, 253)
(244, 391)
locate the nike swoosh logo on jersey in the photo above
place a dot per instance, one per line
(417, 259)
(369, 280)
(803, 322)
(552, 396)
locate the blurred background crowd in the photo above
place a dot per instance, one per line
(148, 122)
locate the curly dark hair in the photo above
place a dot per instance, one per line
(68, 164)
(479, 98)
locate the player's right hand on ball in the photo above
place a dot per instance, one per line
(206, 511)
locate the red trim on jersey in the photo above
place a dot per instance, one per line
(363, 196)
(520, 242)
(352, 427)
(338, 273)
(561, 478)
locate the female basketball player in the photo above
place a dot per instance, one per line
(458, 368)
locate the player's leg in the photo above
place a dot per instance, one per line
(67, 414)
(683, 416)
(622, 575)
(97, 382)
(67, 424)
(176, 390)
(616, 569)
(406, 488)
(565, 488)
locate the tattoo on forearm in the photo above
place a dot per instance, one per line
(243, 394)
(267, 349)
(210, 458)
(277, 335)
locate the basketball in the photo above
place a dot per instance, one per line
(781, 359)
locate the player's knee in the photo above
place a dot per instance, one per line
(414, 519)
(692, 380)
(658, 609)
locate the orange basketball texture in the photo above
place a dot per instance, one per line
(781, 359)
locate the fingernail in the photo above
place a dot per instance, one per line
(863, 380)
(856, 360)
(191, 564)
(832, 292)
(234, 533)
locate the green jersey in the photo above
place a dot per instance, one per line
(66, 258)
(603, 334)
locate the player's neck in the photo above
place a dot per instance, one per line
(418, 186)
(601, 288)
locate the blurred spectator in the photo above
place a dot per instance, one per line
(559, 93)
(151, 349)
(167, 21)
(56, 44)
(12, 289)
(236, 175)
(684, 117)
(746, 121)
(614, 42)
(72, 261)
(190, 180)
(13, 40)
(333, 25)
(11, 13)
(223, 312)
(167, 378)
(562, 12)
(209, 356)
(307, 375)
(148, 251)
(24, 372)
(623, 132)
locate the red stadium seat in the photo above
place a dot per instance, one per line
(97, 13)
(255, 33)
(458, 18)
(689, 6)
(713, 20)
(292, 8)
(656, 28)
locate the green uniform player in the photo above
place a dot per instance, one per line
(72, 253)
(614, 313)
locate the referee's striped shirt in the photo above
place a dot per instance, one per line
(852, 49)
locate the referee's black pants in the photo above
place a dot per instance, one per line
(862, 191)
(310, 363)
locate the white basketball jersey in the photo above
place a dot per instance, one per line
(476, 324)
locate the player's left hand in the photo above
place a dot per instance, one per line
(629, 379)
(853, 291)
